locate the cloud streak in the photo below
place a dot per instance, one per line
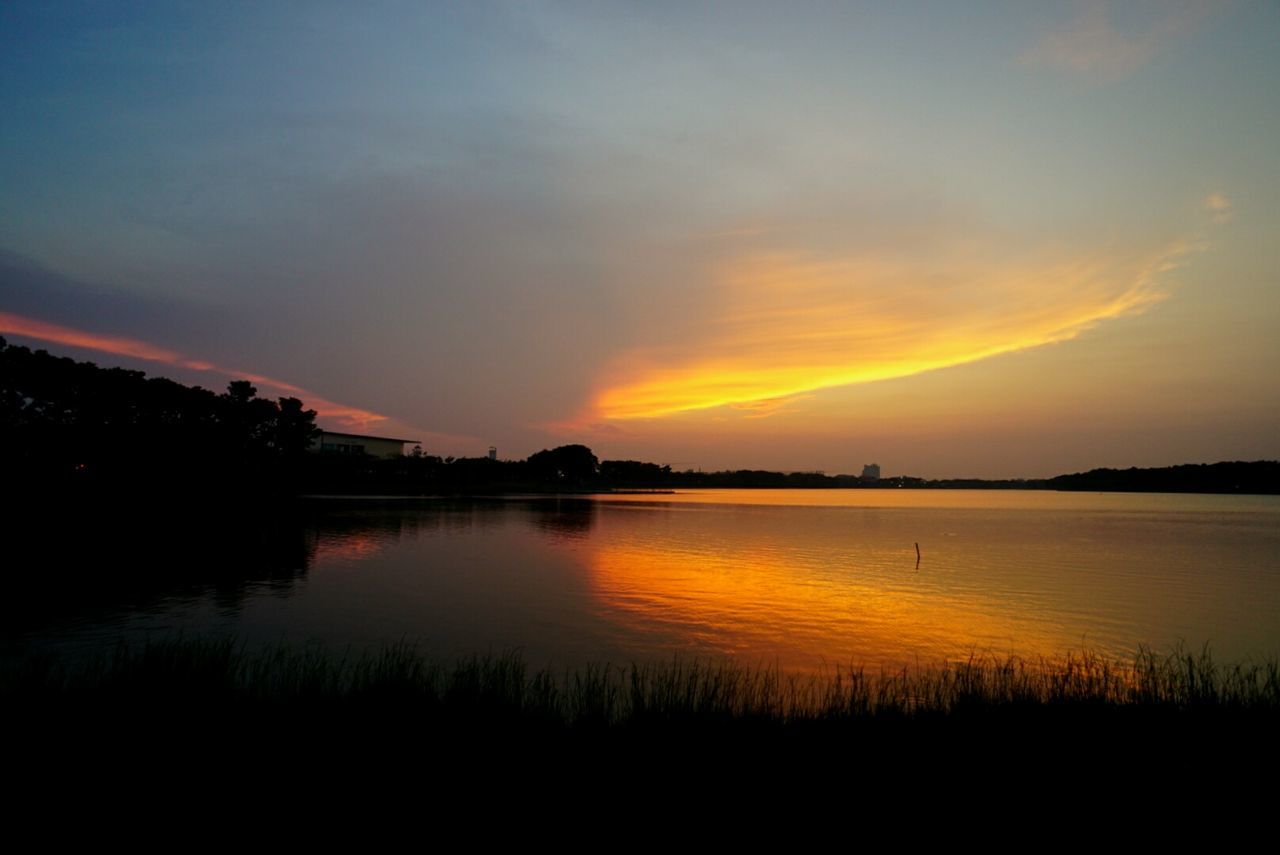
(1092, 46)
(342, 415)
(790, 325)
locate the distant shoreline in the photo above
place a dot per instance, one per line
(77, 431)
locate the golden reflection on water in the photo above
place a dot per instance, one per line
(800, 579)
(806, 577)
(761, 605)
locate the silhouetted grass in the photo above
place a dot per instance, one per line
(186, 675)
(215, 715)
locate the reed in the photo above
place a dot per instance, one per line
(223, 675)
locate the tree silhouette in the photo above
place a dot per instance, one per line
(68, 423)
(295, 428)
(567, 464)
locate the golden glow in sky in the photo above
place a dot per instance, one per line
(789, 325)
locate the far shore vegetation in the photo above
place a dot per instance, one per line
(75, 430)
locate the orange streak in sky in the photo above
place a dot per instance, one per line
(342, 414)
(789, 326)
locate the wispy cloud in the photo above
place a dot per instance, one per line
(770, 406)
(1219, 207)
(790, 324)
(339, 414)
(1091, 45)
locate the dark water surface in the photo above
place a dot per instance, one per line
(799, 578)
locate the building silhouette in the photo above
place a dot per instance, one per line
(358, 443)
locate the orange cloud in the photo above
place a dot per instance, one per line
(790, 325)
(769, 407)
(340, 414)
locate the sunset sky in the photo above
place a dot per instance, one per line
(956, 239)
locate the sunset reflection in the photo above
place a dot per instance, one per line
(350, 547)
(759, 604)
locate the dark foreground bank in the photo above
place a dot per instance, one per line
(165, 684)
(205, 724)
(199, 672)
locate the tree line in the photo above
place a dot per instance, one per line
(66, 424)
(74, 426)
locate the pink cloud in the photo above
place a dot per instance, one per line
(342, 415)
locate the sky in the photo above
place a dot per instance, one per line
(957, 240)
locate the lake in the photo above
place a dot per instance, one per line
(801, 579)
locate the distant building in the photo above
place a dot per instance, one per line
(357, 443)
(493, 452)
(871, 472)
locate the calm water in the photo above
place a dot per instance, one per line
(798, 578)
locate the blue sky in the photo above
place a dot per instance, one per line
(987, 239)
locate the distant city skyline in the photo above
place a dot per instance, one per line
(973, 241)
